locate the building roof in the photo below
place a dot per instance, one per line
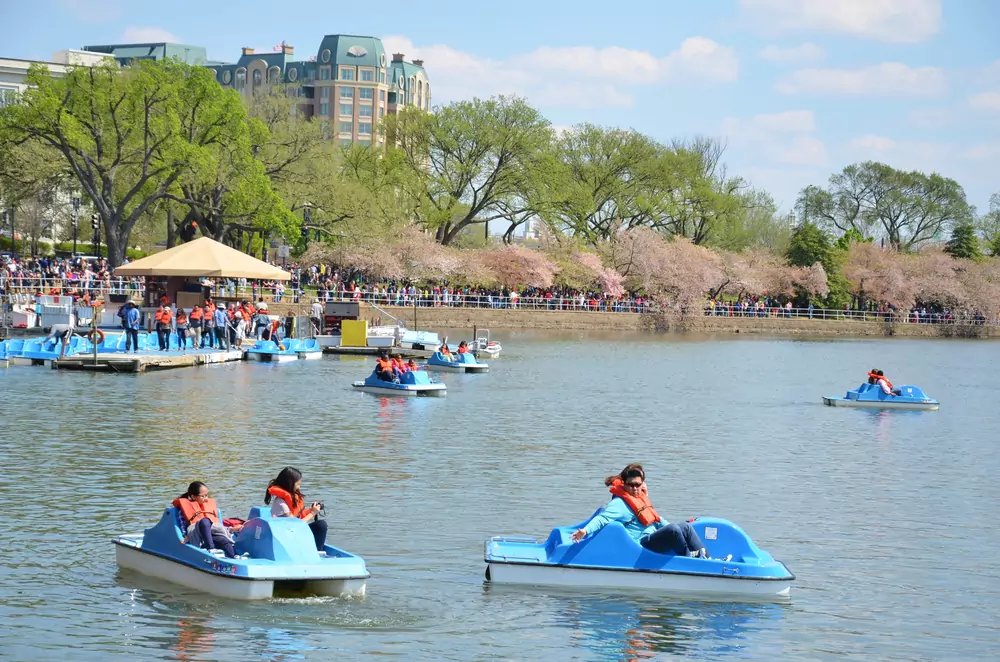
(350, 49)
(203, 257)
(194, 55)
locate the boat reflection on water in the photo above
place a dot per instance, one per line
(195, 628)
(642, 627)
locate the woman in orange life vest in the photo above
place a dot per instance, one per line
(384, 368)
(204, 527)
(289, 502)
(398, 365)
(878, 377)
(463, 347)
(631, 507)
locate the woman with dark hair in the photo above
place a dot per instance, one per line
(289, 502)
(204, 526)
(631, 507)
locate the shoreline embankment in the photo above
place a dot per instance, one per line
(434, 318)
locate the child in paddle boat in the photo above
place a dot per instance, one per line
(204, 527)
(446, 353)
(286, 500)
(631, 507)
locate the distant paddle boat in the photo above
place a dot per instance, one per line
(612, 559)
(483, 345)
(872, 396)
(461, 362)
(274, 554)
(412, 383)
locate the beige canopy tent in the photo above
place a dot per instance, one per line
(203, 257)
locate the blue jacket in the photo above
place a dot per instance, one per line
(618, 511)
(132, 318)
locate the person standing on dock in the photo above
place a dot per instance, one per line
(163, 318)
(131, 327)
(196, 321)
(221, 328)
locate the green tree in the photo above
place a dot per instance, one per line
(479, 153)
(904, 208)
(964, 243)
(989, 226)
(130, 137)
(809, 245)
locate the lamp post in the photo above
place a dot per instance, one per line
(95, 223)
(307, 208)
(76, 222)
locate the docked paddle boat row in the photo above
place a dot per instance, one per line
(416, 382)
(611, 558)
(423, 340)
(461, 362)
(873, 397)
(289, 349)
(275, 555)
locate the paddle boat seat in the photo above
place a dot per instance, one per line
(281, 539)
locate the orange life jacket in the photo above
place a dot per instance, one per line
(181, 318)
(878, 377)
(462, 350)
(385, 365)
(194, 511)
(640, 505)
(197, 314)
(399, 365)
(295, 504)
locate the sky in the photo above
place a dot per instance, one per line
(797, 89)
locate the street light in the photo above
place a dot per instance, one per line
(306, 219)
(76, 221)
(95, 223)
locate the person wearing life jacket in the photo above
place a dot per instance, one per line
(286, 500)
(411, 365)
(384, 369)
(398, 365)
(884, 383)
(463, 347)
(630, 505)
(204, 529)
(162, 318)
(182, 328)
(196, 322)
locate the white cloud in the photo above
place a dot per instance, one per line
(786, 137)
(985, 101)
(148, 36)
(873, 143)
(889, 79)
(883, 20)
(807, 52)
(581, 77)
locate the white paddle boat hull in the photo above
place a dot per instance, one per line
(664, 582)
(880, 404)
(272, 358)
(404, 390)
(147, 563)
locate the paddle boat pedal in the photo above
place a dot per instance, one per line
(611, 558)
(275, 554)
(872, 396)
(462, 362)
(411, 383)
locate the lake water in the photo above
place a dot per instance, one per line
(886, 518)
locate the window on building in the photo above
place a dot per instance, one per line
(365, 142)
(364, 111)
(274, 75)
(381, 112)
(367, 75)
(364, 128)
(381, 77)
(347, 109)
(256, 77)
(347, 93)
(8, 95)
(420, 94)
(311, 74)
(345, 142)
(324, 73)
(381, 95)
(427, 97)
(366, 93)
(346, 73)
(324, 93)
(241, 78)
(346, 127)
(324, 109)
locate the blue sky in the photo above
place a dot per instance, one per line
(797, 88)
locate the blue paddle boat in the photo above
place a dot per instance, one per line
(307, 349)
(611, 558)
(270, 351)
(275, 554)
(416, 382)
(464, 362)
(873, 397)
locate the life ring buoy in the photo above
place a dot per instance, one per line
(96, 333)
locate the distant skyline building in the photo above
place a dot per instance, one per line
(350, 82)
(13, 71)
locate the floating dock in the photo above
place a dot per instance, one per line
(144, 362)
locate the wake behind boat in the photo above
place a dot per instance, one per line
(611, 558)
(274, 554)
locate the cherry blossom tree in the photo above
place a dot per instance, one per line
(876, 274)
(515, 266)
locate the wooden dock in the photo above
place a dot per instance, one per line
(373, 351)
(139, 363)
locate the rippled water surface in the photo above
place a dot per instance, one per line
(887, 518)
